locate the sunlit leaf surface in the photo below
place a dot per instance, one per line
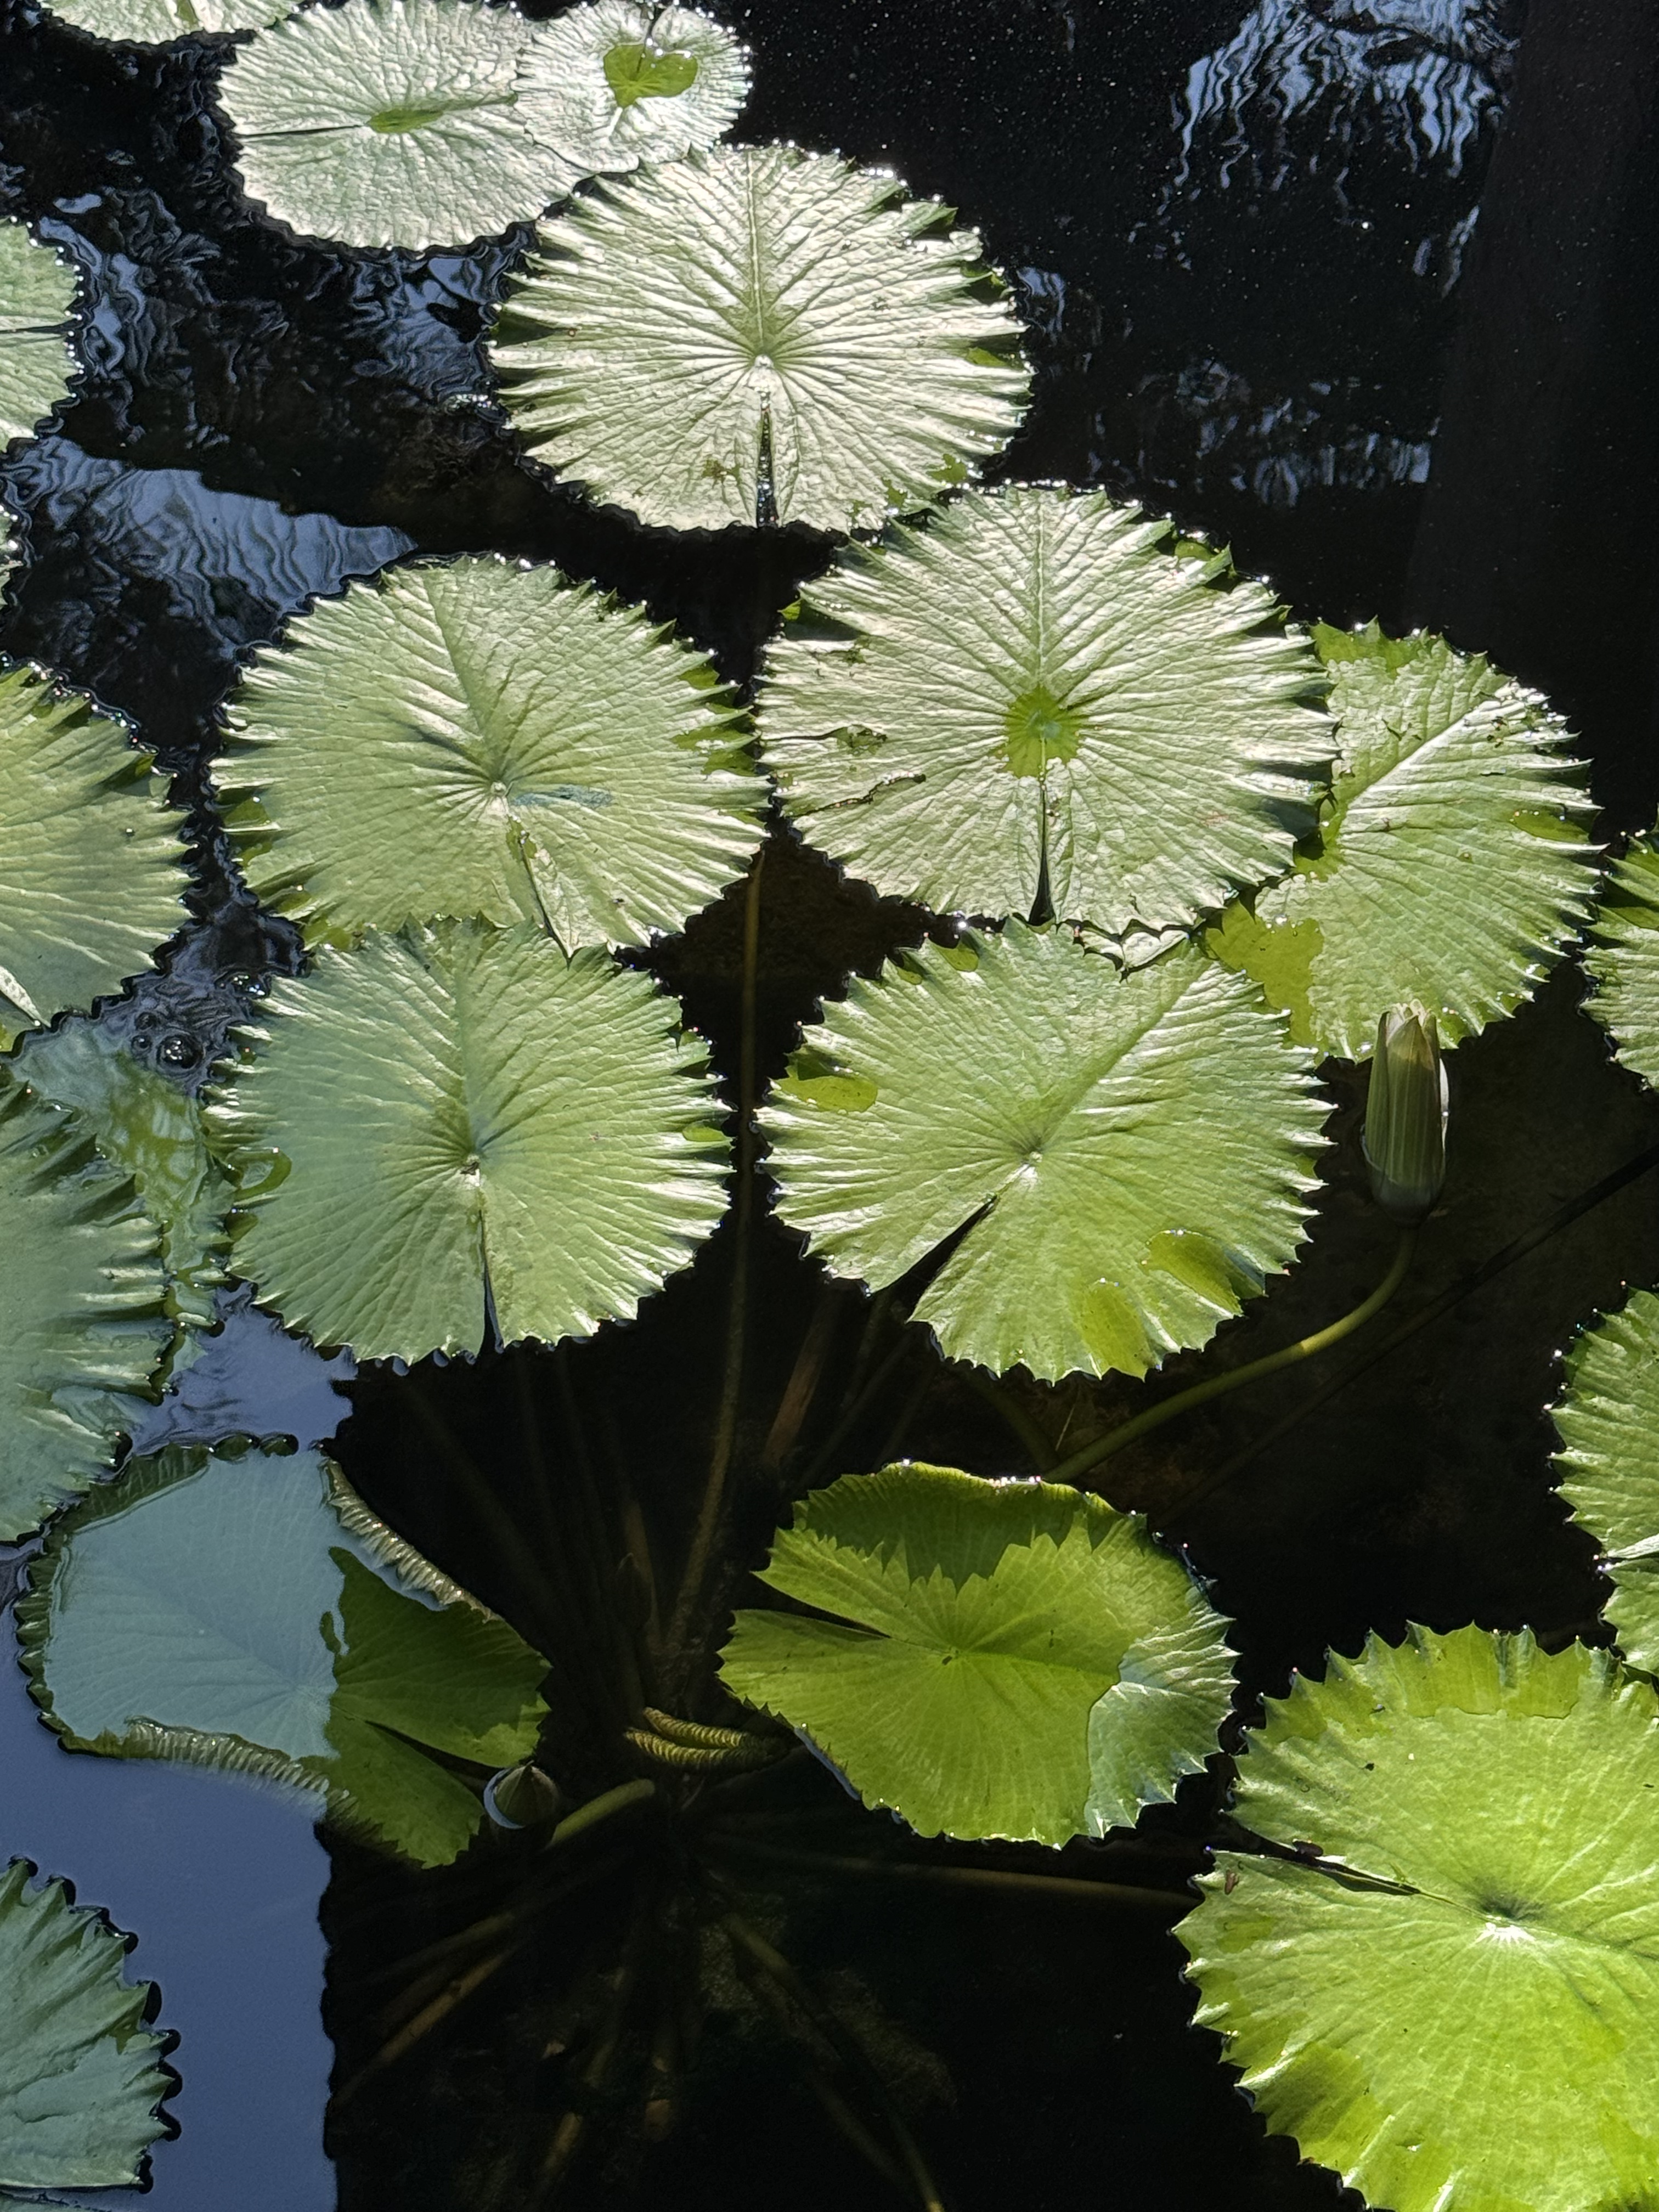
(463, 1107)
(1460, 2013)
(1450, 867)
(247, 1613)
(81, 2086)
(1608, 1421)
(1126, 1156)
(755, 334)
(158, 22)
(37, 288)
(1031, 695)
(618, 82)
(486, 739)
(1623, 957)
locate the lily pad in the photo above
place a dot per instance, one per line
(1609, 1422)
(82, 1316)
(81, 2081)
(1124, 1156)
(247, 1613)
(486, 739)
(37, 290)
(1008, 1659)
(460, 1114)
(1033, 699)
(158, 22)
(1450, 867)
(94, 876)
(1623, 958)
(618, 82)
(390, 123)
(758, 335)
(1457, 2007)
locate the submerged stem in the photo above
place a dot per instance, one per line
(1055, 1887)
(1217, 1385)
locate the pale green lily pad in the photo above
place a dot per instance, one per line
(1623, 958)
(1609, 1422)
(1033, 697)
(461, 1113)
(158, 22)
(1128, 1153)
(247, 1613)
(37, 290)
(82, 1320)
(617, 82)
(390, 123)
(486, 739)
(94, 876)
(756, 334)
(1451, 868)
(1021, 1659)
(81, 2081)
(1459, 2011)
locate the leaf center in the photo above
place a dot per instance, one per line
(417, 114)
(638, 70)
(1039, 730)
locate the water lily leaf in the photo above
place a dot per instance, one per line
(1468, 2019)
(93, 876)
(754, 335)
(1623, 958)
(1608, 1421)
(153, 1131)
(1124, 1155)
(618, 82)
(461, 1112)
(81, 2085)
(1032, 695)
(1450, 867)
(246, 1612)
(1021, 1661)
(81, 1317)
(37, 289)
(485, 739)
(158, 22)
(390, 123)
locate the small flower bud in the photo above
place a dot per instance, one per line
(521, 1796)
(1406, 1115)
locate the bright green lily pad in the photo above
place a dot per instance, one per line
(459, 1114)
(484, 738)
(158, 22)
(1033, 697)
(1609, 1422)
(1623, 958)
(1021, 1659)
(247, 1613)
(1459, 2011)
(80, 2084)
(618, 82)
(37, 290)
(94, 876)
(758, 335)
(82, 1321)
(1128, 1154)
(1450, 867)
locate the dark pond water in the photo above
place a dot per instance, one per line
(1246, 240)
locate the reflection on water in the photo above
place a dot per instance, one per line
(250, 1379)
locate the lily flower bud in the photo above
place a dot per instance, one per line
(521, 1796)
(1406, 1113)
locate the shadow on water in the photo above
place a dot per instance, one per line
(1261, 276)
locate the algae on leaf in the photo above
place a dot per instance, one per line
(1609, 1422)
(757, 335)
(158, 22)
(1021, 1660)
(458, 1121)
(37, 290)
(1458, 2006)
(1032, 698)
(1451, 868)
(484, 739)
(81, 2081)
(1623, 958)
(1125, 1156)
(616, 82)
(248, 1613)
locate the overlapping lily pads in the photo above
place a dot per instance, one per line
(457, 1122)
(1623, 957)
(617, 82)
(158, 22)
(485, 739)
(758, 335)
(1008, 1659)
(247, 1613)
(1033, 699)
(37, 289)
(1450, 867)
(1124, 1156)
(1609, 1420)
(80, 2084)
(1457, 2007)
